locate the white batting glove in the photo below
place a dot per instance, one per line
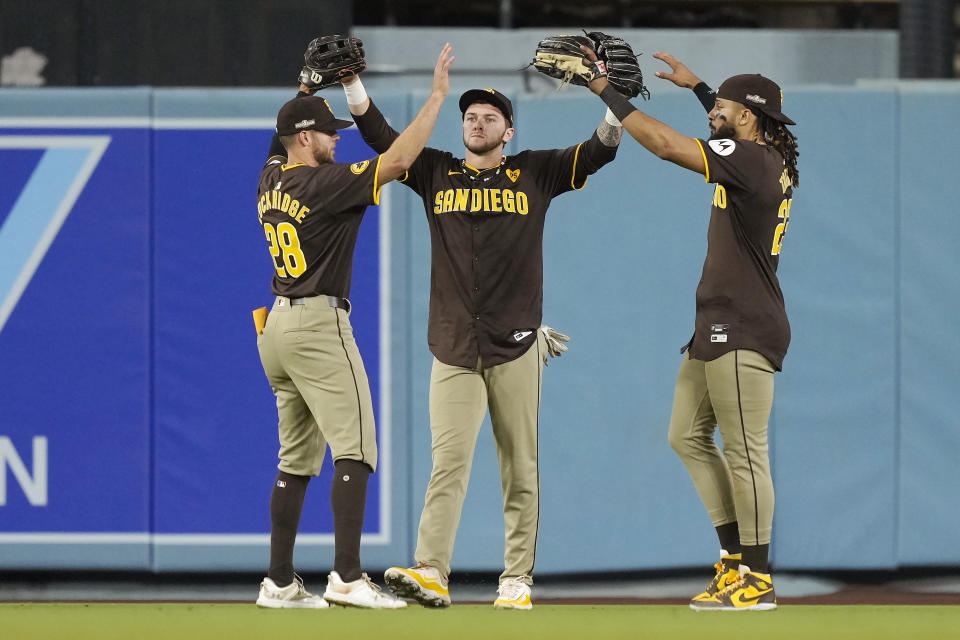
(555, 342)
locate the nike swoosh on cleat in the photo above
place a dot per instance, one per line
(748, 596)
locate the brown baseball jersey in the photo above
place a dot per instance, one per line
(311, 218)
(486, 228)
(739, 301)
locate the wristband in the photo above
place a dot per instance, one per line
(705, 95)
(356, 94)
(611, 119)
(618, 105)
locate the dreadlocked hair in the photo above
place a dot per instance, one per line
(776, 134)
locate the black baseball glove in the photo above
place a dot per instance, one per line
(330, 58)
(561, 57)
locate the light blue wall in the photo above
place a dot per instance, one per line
(929, 436)
(864, 433)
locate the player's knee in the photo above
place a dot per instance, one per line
(679, 441)
(451, 456)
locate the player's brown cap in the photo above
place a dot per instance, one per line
(304, 113)
(756, 92)
(488, 96)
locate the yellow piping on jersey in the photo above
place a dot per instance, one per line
(376, 182)
(706, 165)
(573, 178)
(299, 164)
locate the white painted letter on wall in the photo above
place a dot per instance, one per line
(34, 486)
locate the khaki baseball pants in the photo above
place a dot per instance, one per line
(323, 397)
(735, 393)
(459, 399)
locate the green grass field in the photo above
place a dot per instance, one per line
(123, 621)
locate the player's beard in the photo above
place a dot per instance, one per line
(323, 156)
(724, 131)
(481, 147)
(323, 153)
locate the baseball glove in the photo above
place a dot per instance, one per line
(555, 342)
(330, 58)
(561, 57)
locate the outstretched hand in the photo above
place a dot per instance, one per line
(600, 82)
(441, 73)
(679, 74)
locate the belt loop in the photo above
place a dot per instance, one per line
(339, 303)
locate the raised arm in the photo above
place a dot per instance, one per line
(376, 132)
(681, 76)
(601, 148)
(410, 143)
(610, 131)
(655, 136)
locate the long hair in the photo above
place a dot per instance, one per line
(776, 134)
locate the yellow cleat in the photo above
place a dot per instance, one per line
(726, 574)
(751, 592)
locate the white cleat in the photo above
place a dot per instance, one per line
(362, 593)
(514, 593)
(292, 596)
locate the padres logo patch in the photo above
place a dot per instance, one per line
(359, 167)
(513, 174)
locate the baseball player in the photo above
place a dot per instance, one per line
(741, 331)
(310, 209)
(486, 213)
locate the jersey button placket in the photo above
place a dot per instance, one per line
(476, 277)
(476, 267)
(476, 274)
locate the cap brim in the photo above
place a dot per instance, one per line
(342, 124)
(776, 115)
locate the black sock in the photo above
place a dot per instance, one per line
(348, 498)
(755, 557)
(286, 504)
(729, 535)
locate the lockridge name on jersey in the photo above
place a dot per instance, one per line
(276, 199)
(480, 200)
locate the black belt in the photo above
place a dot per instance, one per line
(333, 301)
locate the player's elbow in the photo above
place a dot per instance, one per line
(664, 149)
(394, 163)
